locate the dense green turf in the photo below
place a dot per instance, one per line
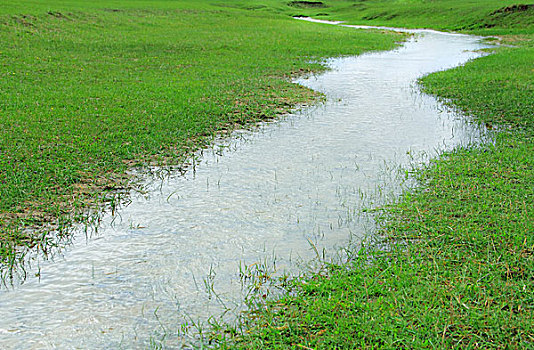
(460, 268)
(89, 89)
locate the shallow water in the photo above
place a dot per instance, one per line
(251, 197)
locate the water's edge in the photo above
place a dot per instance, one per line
(274, 196)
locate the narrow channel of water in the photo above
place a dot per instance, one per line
(260, 194)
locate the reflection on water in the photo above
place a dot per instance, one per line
(260, 194)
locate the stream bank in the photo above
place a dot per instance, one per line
(461, 268)
(260, 197)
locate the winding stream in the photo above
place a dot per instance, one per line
(255, 197)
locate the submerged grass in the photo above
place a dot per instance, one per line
(459, 268)
(91, 89)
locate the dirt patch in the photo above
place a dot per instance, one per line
(512, 40)
(307, 4)
(58, 15)
(24, 20)
(513, 9)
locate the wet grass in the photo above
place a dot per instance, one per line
(459, 268)
(92, 89)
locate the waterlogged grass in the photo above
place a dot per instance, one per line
(458, 270)
(91, 89)
(458, 273)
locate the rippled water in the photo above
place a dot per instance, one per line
(257, 195)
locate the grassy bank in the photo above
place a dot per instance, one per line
(460, 268)
(489, 16)
(91, 89)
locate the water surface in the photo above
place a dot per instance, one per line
(254, 196)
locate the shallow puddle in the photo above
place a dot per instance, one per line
(274, 195)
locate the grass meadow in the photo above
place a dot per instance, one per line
(89, 90)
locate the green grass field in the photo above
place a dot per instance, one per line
(91, 89)
(460, 269)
